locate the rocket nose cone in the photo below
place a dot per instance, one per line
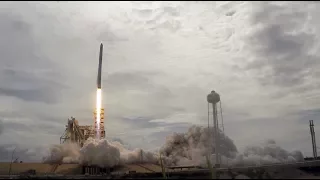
(101, 45)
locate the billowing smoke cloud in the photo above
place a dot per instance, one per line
(190, 148)
(102, 153)
(269, 153)
(63, 153)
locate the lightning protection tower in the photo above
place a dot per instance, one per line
(214, 98)
(313, 139)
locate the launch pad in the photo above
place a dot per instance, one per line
(148, 171)
(75, 133)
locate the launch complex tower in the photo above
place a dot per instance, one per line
(79, 134)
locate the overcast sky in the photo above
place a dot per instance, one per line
(161, 59)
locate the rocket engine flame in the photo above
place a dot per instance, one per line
(98, 109)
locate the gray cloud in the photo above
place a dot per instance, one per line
(105, 34)
(306, 115)
(137, 88)
(282, 45)
(12, 152)
(25, 72)
(30, 95)
(1, 127)
(48, 127)
(130, 80)
(16, 126)
(152, 141)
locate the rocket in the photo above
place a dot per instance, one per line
(100, 67)
(99, 112)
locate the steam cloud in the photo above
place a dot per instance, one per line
(190, 148)
(98, 152)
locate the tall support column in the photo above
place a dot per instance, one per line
(216, 134)
(313, 139)
(213, 98)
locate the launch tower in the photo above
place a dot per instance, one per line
(79, 134)
(102, 132)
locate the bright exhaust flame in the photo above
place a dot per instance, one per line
(98, 109)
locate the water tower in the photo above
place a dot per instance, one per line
(213, 98)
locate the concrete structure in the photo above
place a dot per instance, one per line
(72, 169)
(76, 171)
(39, 168)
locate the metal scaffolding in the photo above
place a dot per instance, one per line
(102, 132)
(75, 133)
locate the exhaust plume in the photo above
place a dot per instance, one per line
(97, 152)
(66, 153)
(190, 148)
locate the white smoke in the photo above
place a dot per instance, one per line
(192, 147)
(269, 153)
(101, 153)
(63, 153)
